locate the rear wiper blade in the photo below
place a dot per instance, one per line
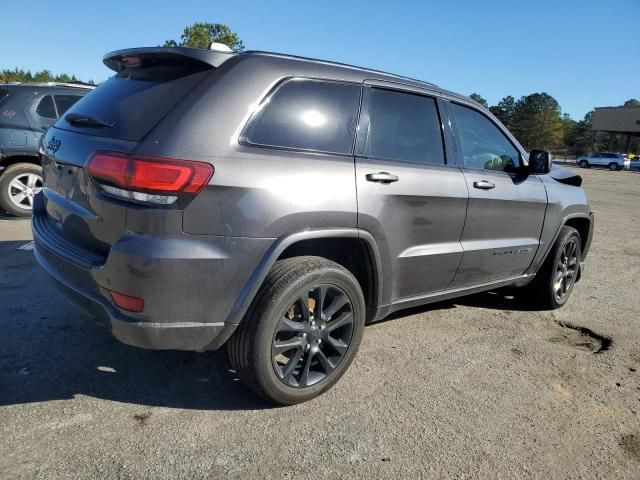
(81, 119)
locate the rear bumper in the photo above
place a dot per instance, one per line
(178, 336)
(189, 284)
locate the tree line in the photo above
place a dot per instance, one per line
(537, 121)
(22, 76)
(198, 35)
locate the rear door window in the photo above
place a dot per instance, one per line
(45, 108)
(136, 99)
(404, 126)
(64, 102)
(307, 115)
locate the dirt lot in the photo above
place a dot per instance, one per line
(475, 388)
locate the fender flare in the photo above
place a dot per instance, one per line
(8, 159)
(535, 267)
(249, 291)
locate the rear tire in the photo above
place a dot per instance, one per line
(322, 342)
(555, 280)
(19, 183)
(614, 167)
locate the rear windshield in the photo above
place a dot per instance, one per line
(135, 99)
(3, 94)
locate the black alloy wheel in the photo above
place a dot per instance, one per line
(566, 269)
(554, 282)
(302, 331)
(312, 336)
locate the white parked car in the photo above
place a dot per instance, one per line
(615, 161)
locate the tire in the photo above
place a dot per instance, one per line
(542, 292)
(279, 304)
(16, 180)
(614, 167)
(583, 164)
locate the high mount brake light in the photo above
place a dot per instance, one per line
(148, 179)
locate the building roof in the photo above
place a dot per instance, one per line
(617, 119)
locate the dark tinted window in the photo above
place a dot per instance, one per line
(484, 146)
(309, 115)
(64, 102)
(403, 126)
(45, 107)
(3, 94)
(136, 99)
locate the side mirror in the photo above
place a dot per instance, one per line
(539, 162)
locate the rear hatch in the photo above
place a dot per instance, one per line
(113, 119)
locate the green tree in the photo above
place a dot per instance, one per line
(632, 102)
(20, 75)
(568, 125)
(537, 122)
(583, 139)
(202, 35)
(478, 98)
(505, 110)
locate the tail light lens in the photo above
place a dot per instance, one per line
(148, 179)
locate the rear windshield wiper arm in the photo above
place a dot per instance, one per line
(80, 120)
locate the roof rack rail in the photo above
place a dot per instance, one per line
(339, 64)
(59, 84)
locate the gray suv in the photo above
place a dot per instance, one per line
(26, 111)
(275, 204)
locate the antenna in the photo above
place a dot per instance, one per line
(220, 47)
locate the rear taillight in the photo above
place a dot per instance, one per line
(148, 179)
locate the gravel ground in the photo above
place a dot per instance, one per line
(474, 388)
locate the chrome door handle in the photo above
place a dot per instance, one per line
(484, 185)
(381, 177)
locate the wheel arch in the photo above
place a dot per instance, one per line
(13, 159)
(583, 223)
(346, 246)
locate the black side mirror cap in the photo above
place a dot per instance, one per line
(539, 162)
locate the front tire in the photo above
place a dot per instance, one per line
(19, 183)
(583, 164)
(554, 282)
(301, 332)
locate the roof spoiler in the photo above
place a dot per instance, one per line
(121, 59)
